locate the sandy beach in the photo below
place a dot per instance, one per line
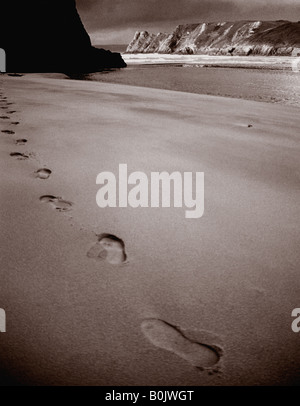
(198, 301)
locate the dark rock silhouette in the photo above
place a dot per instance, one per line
(222, 38)
(48, 36)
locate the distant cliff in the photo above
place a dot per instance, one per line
(223, 38)
(48, 36)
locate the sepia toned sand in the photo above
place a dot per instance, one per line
(129, 296)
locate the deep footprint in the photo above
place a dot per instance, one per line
(4, 118)
(43, 173)
(8, 132)
(20, 142)
(109, 248)
(19, 156)
(57, 203)
(168, 337)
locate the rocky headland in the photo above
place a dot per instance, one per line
(48, 36)
(222, 38)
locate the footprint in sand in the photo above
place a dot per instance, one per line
(170, 338)
(8, 132)
(109, 248)
(19, 156)
(11, 112)
(4, 118)
(20, 142)
(58, 203)
(15, 123)
(43, 173)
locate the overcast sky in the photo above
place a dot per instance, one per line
(116, 21)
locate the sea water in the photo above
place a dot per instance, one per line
(268, 80)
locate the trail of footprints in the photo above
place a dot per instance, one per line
(111, 249)
(43, 173)
(108, 247)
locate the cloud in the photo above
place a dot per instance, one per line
(121, 18)
(109, 13)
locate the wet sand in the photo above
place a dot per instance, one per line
(187, 302)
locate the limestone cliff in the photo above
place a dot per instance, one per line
(48, 36)
(223, 38)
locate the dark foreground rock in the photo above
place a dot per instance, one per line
(222, 38)
(48, 36)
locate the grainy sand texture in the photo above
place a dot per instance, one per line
(124, 296)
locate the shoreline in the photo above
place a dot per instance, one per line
(254, 61)
(227, 280)
(105, 78)
(276, 86)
